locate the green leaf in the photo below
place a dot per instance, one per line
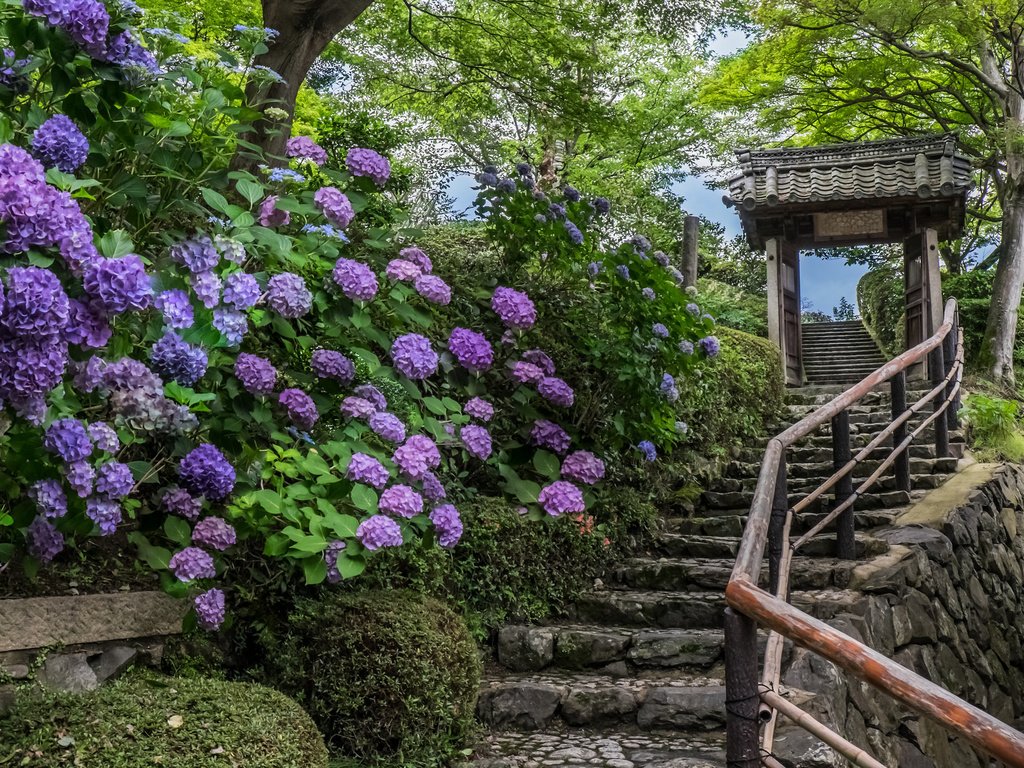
(367, 357)
(269, 500)
(451, 405)
(115, 244)
(178, 530)
(435, 406)
(250, 190)
(350, 566)
(364, 498)
(547, 464)
(315, 569)
(276, 545)
(155, 557)
(216, 200)
(524, 490)
(314, 464)
(342, 526)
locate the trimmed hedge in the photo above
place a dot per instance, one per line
(387, 675)
(133, 723)
(881, 303)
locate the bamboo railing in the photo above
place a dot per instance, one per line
(754, 702)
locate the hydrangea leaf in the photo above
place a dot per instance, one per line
(315, 570)
(364, 498)
(547, 464)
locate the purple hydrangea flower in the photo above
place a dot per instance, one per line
(300, 408)
(575, 236)
(556, 391)
(418, 257)
(401, 501)
(541, 359)
(646, 447)
(623, 271)
(178, 501)
(29, 368)
(402, 270)
(432, 488)
(209, 607)
(641, 245)
(693, 309)
(176, 309)
(357, 281)
(106, 513)
(334, 549)
(232, 250)
(58, 143)
(477, 441)
(192, 563)
(379, 531)
(87, 22)
(710, 346)
(682, 427)
(118, 285)
(175, 359)
(448, 525)
(487, 178)
(366, 162)
(593, 268)
(328, 364)
(335, 206)
(525, 373)
(561, 497)
(479, 409)
(35, 304)
(601, 205)
(86, 326)
(547, 434)
(49, 497)
(198, 254)
(433, 289)
(471, 349)
(668, 388)
(357, 408)
(12, 76)
(676, 275)
(288, 295)
(373, 395)
(255, 373)
(114, 480)
(686, 347)
(416, 456)
(660, 258)
(659, 330)
(304, 148)
(583, 467)
(557, 211)
(241, 290)
(207, 286)
(69, 439)
(414, 357)
(214, 533)
(515, 308)
(506, 185)
(232, 324)
(388, 426)
(363, 468)
(205, 472)
(44, 541)
(80, 476)
(271, 215)
(649, 294)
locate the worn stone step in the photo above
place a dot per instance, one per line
(820, 394)
(695, 545)
(606, 747)
(801, 473)
(801, 486)
(698, 574)
(727, 502)
(533, 700)
(731, 522)
(691, 610)
(530, 648)
(823, 455)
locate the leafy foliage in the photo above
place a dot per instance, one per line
(994, 427)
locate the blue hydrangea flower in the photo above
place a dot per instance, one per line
(646, 447)
(58, 143)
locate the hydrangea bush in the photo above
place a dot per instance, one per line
(196, 356)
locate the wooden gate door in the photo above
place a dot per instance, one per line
(915, 297)
(791, 314)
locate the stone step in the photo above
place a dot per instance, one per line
(691, 610)
(731, 502)
(697, 545)
(815, 471)
(803, 454)
(530, 701)
(801, 486)
(698, 574)
(861, 435)
(820, 394)
(608, 747)
(631, 650)
(731, 522)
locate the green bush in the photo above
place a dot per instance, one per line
(133, 723)
(733, 307)
(881, 302)
(973, 292)
(993, 427)
(388, 675)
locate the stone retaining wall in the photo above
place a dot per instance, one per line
(946, 601)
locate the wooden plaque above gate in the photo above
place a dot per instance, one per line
(846, 224)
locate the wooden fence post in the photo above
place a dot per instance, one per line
(691, 234)
(898, 386)
(776, 527)
(846, 545)
(937, 365)
(742, 701)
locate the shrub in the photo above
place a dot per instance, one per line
(129, 723)
(386, 675)
(881, 302)
(973, 292)
(733, 307)
(993, 427)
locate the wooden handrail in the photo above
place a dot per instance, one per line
(754, 605)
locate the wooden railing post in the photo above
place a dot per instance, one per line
(846, 547)
(949, 358)
(937, 364)
(742, 701)
(776, 527)
(901, 466)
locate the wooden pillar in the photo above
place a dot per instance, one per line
(691, 235)
(773, 263)
(846, 542)
(742, 702)
(922, 286)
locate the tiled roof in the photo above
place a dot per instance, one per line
(923, 167)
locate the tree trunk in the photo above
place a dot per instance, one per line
(1001, 329)
(305, 28)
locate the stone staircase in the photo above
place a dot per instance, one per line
(635, 677)
(838, 353)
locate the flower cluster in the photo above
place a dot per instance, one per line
(304, 148)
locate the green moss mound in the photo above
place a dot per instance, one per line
(131, 723)
(388, 676)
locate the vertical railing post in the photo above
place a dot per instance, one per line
(776, 527)
(949, 358)
(898, 386)
(846, 547)
(742, 701)
(938, 366)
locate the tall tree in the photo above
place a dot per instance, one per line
(825, 70)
